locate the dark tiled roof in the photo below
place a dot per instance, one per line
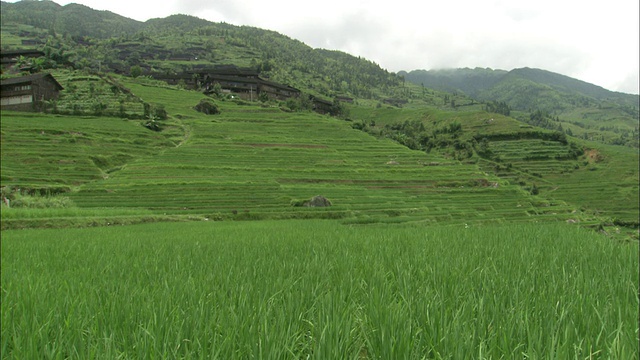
(226, 70)
(30, 78)
(238, 79)
(321, 101)
(278, 85)
(11, 53)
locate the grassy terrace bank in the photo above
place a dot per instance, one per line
(254, 161)
(318, 289)
(247, 163)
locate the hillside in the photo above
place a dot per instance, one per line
(73, 20)
(100, 41)
(257, 162)
(148, 211)
(573, 106)
(121, 147)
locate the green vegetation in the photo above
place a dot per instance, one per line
(316, 289)
(97, 95)
(41, 151)
(105, 42)
(251, 162)
(595, 178)
(73, 20)
(545, 99)
(435, 225)
(470, 162)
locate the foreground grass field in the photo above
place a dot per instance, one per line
(318, 289)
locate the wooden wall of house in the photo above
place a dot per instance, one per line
(44, 89)
(38, 90)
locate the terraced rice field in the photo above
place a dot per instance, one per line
(94, 95)
(45, 150)
(607, 185)
(253, 164)
(606, 182)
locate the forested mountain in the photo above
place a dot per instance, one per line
(469, 81)
(103, 41)
(72, 20)
(497, 85)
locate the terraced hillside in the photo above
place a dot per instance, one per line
(86, 94)
(596, 179)
(252, 162)
(53, 152)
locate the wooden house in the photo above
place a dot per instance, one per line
(27, 93)
(246, 83)
(396, 102)
(345, 99)
(321, 106)
(177, 79)
(276, 91)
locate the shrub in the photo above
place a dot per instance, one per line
(207, 106)
(297, 202)
(159, 112)
(153, 125)
(135, 71)
(41, 202)
(534, 190)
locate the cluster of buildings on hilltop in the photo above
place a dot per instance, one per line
(28, 93)
(245, 83)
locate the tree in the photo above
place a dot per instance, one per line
(498, 108)
(135, 71)
(534, 190)
(207, 106)
(263, 96)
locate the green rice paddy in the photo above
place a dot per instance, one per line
(318, 289)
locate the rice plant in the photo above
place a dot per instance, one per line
(318, 289)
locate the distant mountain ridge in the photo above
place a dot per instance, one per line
(498, 85)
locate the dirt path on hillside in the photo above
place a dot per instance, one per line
(187, 134)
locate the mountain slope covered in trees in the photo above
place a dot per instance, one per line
(73, 19)
(103, 41)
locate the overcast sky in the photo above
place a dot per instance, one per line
(594, 41)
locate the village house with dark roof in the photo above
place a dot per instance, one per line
(243, 82)
(27, 93)
(346, 99)
(320, 105)
(396, 102)
(10, 57)
(246, 83)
